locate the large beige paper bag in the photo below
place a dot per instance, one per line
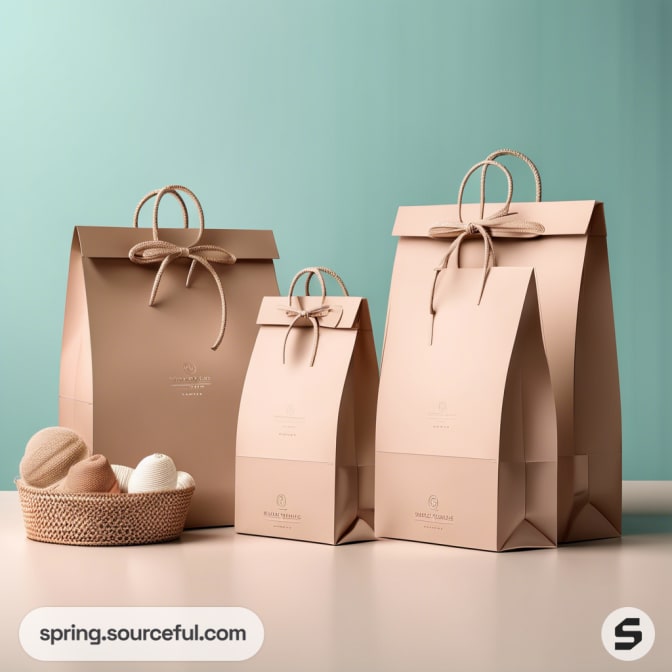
(466, 438)
(305, 447)
(568, 251)
(137, 378)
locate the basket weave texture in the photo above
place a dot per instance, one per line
(103, 519)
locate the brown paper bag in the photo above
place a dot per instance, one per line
(305, 446)
(568, 251)
(138, 379)
(466, 439)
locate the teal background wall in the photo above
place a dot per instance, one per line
(317, 118)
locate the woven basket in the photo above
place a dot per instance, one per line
(103, 519)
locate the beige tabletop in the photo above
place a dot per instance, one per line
(385, 605)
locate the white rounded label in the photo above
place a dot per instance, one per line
(141, 633)
(628, 633)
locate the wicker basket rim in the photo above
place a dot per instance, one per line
(103, 495)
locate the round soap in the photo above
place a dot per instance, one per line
(154, 472)
(49, 455)
(93, 474)
(123, 475)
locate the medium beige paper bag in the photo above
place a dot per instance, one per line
(166, 377)
(305, 446)
(569, 254)
(466, 438)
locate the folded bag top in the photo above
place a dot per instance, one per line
(564, 218)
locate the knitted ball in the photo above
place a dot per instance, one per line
(154, 472)
(49, 455)
(93, 474)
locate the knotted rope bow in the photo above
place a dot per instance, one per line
(470, 229)
(164, 253)
(495, 226)
(313, 315)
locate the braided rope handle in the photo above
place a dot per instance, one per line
(316, 271)
(138, 207)
(484, 164)
(519, 155)
(174, 190)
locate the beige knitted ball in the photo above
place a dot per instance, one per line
(93, 474)
(49, 455)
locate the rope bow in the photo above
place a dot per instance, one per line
(313, 315)
(495, 226)
(500, 225)
(164, 253)
(473, 228)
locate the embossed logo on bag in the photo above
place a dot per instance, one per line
(190, 385)
(438, 415)
(433, 518)
(282, 516)
(288, 422)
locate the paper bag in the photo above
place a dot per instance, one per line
(466, 439)
(305, 447)
(166, 377)
(568, 250)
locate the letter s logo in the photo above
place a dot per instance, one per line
(628, 633)
(621, 633)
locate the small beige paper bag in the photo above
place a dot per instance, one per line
(305, 446)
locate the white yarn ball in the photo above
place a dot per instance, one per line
(185, 480)
(154, 472)
(123, 475)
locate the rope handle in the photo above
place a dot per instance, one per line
(484, 164)
(316, 271)
(518, 155)
(139, 206)
(174, 190)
